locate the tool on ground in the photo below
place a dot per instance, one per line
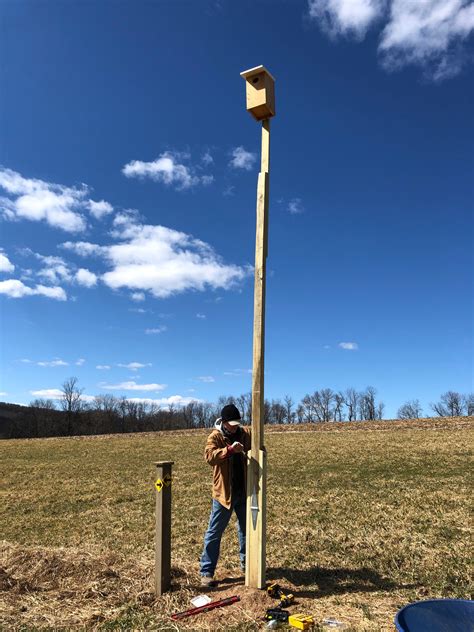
(277, 614)
(301, 621)
(286, 600)
(210, 606)
(333, 623)
(276, 591)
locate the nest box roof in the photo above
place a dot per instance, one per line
(255, 71)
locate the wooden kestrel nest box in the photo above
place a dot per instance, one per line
(260, 92)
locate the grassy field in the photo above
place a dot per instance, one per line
(362, 519)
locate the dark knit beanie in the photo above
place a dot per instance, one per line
(230, 413)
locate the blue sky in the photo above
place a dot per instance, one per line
(128, 181)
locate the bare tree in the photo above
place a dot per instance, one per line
(46, 404)
(277, 413)
(469, 404)
(203, 414)
(368, 408)
(410, 410)
(70, 400)
(300, 414)
(351, 400)
(379, 410)
(189, 414)
(267, 409)
(41, 415)
(71, 396)
(338, 403)
(289, 414)
(108, 409)
(322, 404)
(106, 403)
(306, 409)
(451, 404)
(244, 404)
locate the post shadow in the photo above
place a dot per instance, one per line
(334, 581)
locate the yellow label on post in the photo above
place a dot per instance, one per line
(159, 485)
(167, 480)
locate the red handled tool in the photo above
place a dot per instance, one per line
(209, 606)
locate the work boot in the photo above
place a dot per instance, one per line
(208, 582)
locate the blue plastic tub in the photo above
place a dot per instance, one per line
(437, 615)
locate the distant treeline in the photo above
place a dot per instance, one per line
(107, 414)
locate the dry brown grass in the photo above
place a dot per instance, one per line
(359, 523)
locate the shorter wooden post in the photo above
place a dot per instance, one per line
(163, 526)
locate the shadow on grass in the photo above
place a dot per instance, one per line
(334, 581)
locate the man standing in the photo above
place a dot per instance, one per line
(226, 451)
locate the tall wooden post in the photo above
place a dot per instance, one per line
(261, 103)
(257, 467)
(163, 527)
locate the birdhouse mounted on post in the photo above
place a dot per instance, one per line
(260, 92)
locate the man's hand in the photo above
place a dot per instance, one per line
(237, 447)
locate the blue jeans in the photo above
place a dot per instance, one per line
(218, 521)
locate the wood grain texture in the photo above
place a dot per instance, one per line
(256, 475)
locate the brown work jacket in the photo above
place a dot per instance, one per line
(216, 454)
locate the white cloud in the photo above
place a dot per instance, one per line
(168, 170)
(5, 263)
(103, 367)
(134, 366)
(48, 393)
(206, 378)
(3, 393)
(51, 363)
(47, 363)
(16, 289)
(138, 296)
(238, 372)
(138, 310)
(56, 393)
(295, 206)
(51, 292)
(84, 248)
(100, 209)
(86, 278)
(133, 386)
(201, 316)
(156, 330)
(164, 262)
(124, 220)
(207, 158)
(426, 33)
(80, 362)
(346, 17)
(349, 346)
(37, 200)
(55, 269)
(242, 159)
